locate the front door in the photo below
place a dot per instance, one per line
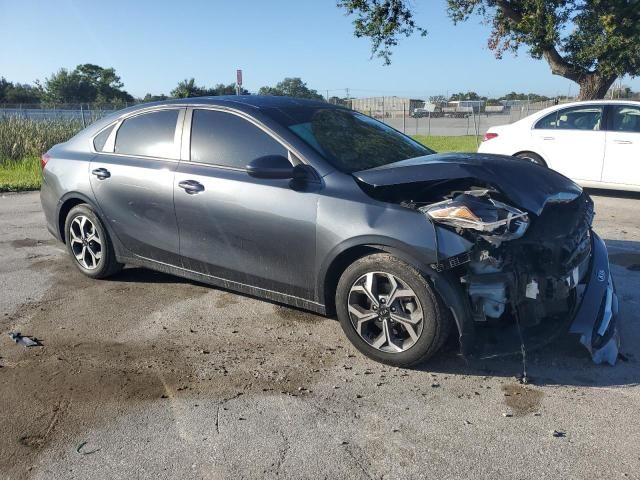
(132, 180)
(572, 141)
(622, 154)
(257, 232)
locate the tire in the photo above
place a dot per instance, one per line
(88, 243)
(532, 157)
(354, 307)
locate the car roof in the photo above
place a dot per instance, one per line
(535, 116)
(251, 101)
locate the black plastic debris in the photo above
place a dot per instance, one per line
(82, 451)
(24, 340)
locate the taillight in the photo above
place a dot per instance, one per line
(43, 160)
(489, 136)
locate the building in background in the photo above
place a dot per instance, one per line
(386, 107)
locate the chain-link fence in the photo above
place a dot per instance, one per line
(454, 120)
(439, 120)
(86, 113)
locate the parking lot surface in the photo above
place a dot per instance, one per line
(150, 376)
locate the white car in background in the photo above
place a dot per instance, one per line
(595, 143)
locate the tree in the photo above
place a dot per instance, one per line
(86, 83)
(531, 97)
(291, 87)
(149, 97)
(18, 92)
(465, 96)
(188, 88)
(591, 42)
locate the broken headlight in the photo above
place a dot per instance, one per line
(476, 210)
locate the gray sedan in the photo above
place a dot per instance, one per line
(322, 208)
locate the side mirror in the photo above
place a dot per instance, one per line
(270, 166)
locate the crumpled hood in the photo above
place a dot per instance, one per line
(528, 186)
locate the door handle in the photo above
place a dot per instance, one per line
(191, 186)
(101, 173)
(548, 138)
(623, 142)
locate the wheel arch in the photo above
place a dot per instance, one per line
(67, 202)
(546, 164)
(449, 291)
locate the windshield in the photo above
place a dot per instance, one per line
(349, 140)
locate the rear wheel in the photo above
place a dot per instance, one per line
(532, 157)
(89, 244)
(389, 312)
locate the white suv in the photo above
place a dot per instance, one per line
(595, 143)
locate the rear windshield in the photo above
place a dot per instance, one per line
(349, 140)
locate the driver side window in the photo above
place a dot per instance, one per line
(575, 118)
(225, 139)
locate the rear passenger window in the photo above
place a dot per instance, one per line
(100, 139)
(150, 135)
(220, 138)
(575, 118)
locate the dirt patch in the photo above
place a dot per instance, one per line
(522, 399)
(294, 315)
(631, 261)
(32, 242)
(226, 300)
(139, 337)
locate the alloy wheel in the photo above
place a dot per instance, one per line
(385, 312)
(85, 241)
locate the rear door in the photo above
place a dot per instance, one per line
(622, 155)
(132, 180)
(258, 232)
(572, 141)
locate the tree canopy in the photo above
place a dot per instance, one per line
(86, 83)
(188, 88)
(291, 87)
(15, 93)
(591, 42)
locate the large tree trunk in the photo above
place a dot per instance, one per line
(594, 86)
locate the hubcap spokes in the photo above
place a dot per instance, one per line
(85, 241)
(385, 312)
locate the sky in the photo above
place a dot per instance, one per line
(155, 44)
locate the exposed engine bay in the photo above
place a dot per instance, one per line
(525, 273)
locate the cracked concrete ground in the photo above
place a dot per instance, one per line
(150, 376)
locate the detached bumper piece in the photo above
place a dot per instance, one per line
(596, 316)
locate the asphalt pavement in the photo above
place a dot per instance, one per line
(151, 376)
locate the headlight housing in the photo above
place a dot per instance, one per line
(476, 210)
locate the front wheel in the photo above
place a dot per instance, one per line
(389, 311)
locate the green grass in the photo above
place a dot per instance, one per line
(467, 143)
(22, 141)
(20, 175)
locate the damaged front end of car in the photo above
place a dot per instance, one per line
(535, 268)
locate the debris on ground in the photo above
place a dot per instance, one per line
(79, 449)
(24, 340)
(558, 434)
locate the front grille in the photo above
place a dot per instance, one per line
(559, 239)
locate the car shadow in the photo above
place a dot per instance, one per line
(562, 362)
(613, 193)
(145, 275)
